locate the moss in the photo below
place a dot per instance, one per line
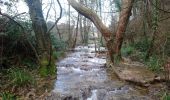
(46, 68)
(43, 66)
(52, 68)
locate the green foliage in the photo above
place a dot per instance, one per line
(29, 63)
(154, 63)
(165, 96)
(43, 66)
(117, 59)
(155, 15)
(57, 43)
(142, 45)
(142, 55)
(127, 50)
(7, 96)
(46, 68)
(20, 77)
(52, 68)
(58, 54)
(43, 71)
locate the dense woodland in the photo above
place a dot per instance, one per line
(31, 42)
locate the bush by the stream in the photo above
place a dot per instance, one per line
(20, 77)
(7, 96)
(138, 51)
(142, 45)
(154, 63)
(58, 45)
(127, 50)
(165, 96)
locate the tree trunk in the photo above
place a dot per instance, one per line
(122, 24)
(42, 37)
(113, 46)
(76, 35)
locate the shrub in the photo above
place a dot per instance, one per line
(20, 77)
(57, 43)
(165, 96)
(126, 51)
(7, 96)
(29, 63)
(142, 45)
(57, 54)
(154, 63)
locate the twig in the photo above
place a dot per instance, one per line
(18, 15)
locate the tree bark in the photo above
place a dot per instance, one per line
(39, 24)
(42, 37)
(122, 24)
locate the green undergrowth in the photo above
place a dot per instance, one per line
(138, 51)
(127, 50)
(58, 54)
(8, 96)
(155, 63)
(20, 77)
(165, 96)
(47, 68)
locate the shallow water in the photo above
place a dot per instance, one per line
(82, 75)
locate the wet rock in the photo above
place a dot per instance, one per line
(137, 74)
(86, 92)
(101, 93)
(124, 96)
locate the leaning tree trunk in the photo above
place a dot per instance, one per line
(113, 46)
(42, 37)
(122, 24)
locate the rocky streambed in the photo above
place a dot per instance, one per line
(83, 75)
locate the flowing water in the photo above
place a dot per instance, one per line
(82, 75)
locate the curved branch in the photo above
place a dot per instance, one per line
(91, 15)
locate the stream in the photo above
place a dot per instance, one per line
(82, 75)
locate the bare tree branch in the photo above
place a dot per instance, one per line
(48, 32)
(49, 10)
